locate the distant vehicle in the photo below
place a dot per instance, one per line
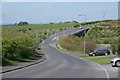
(42, 41)
(115, 62)
(38, 48)
(80, 27)
(100, 52)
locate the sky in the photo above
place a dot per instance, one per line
(46, 12)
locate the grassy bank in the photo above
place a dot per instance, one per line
(101, 33)
(76, 44)
(105, 33)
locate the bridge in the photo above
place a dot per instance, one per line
(82, 32)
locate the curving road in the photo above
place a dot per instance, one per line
(59, 64)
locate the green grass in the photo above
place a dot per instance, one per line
(43, 27)
(16, 60)
(42, 30)
(8, 62)
(103, 61)
(98, 57)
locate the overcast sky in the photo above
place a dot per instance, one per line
(46, 12)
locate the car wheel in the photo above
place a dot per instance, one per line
(117, 63)
(93, 54)
(106, 54)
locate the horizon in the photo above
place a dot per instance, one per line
(5, 25)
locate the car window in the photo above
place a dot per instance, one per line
(98, 51)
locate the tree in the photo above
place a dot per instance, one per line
(22, 23)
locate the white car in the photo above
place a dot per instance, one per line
(115, 62)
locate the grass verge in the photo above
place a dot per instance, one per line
(103, 61)
(6, 62)
(99, 59)
(65, 50)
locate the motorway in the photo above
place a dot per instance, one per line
(59, 64)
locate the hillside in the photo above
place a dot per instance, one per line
(101, 33)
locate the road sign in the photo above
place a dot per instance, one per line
(42, 41)
(33, 45)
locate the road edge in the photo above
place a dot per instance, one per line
(21, 67)
(107, 75)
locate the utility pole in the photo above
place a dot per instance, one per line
(103, 15)
(84, 35)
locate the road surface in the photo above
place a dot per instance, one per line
(59, 64)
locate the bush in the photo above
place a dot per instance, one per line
(107, 24)
(19, 46)
(61, 29)
(116, 48)
(90, 46)
(22, 23)
(76, 25)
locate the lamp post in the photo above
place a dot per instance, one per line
(84, 35)
(84, 16)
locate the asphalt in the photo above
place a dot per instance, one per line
(59, 64)
(21, 65)
(112, 71)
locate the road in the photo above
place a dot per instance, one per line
(59, 64)
(112, 71)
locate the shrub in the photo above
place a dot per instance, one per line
(22, 23)
(76, 25)
(19, 46)
(90, 46)
(61, 29)
(29, 29)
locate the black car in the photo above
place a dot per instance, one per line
(100, 52)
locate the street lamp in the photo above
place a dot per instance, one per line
(85, 33)
(84, 16)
